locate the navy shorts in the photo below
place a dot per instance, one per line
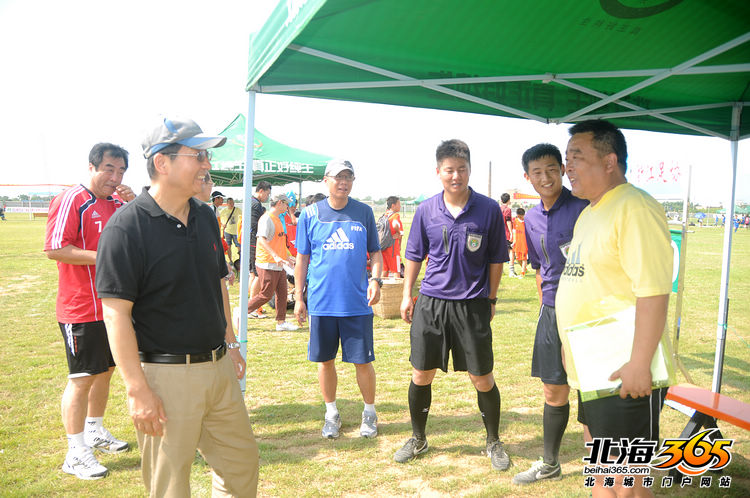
(441, 326)
(546, 360)
(628, 418)
(354, 332)
(87, 348)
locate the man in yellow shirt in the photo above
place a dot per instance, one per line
(620, 257)
(230, 220)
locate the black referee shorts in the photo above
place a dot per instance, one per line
(617, 418)
(546, 360)
(441, 326)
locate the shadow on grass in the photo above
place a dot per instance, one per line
(705, 363)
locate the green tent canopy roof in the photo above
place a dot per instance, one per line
(675, 66)
(273, 161)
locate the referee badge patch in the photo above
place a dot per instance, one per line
(473, 241)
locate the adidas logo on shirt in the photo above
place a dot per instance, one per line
(95, 215)
(338, 240)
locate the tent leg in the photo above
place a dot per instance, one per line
(721, 329)
(245, 246)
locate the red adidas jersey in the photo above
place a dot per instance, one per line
(77, 217)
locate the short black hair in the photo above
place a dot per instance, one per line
(607, 139)
(391, 201)
(453, 148)
(505, 197)
(520, 211)
(167, 151)
(539, 151)
(263, 185)
(96, 156)
(318, 197)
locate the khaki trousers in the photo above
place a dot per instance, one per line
(205, 410)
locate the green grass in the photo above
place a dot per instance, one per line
(286, 408)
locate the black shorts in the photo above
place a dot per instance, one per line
(440, 326)
(87, 348)
(628, 418)
(251, 256)
(546, 360)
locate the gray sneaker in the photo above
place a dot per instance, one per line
(538, 471)
(410, 450)
(331, 428)
(498, 457)
(369, 427)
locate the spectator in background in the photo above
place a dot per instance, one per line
(217, 200)
(392, 254)
(76, 219)
(508, 223)
(261, 195)
(271, 257)
(520, 251)
(231, 217)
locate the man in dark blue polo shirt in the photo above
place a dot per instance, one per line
(463, 234)
(549, 228)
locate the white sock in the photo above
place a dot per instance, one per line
(75, 440)
(370, 409)
(331, 410)
(94, 423)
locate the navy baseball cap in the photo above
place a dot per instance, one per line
(179, 131)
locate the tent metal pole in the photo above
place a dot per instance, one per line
(721, 329)
(241, 312)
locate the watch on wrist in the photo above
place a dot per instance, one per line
(493, 300)
(378, 280)
(233, 345)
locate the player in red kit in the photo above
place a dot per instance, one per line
(76, 219)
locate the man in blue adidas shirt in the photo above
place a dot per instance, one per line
(462, 233)
(333, 239)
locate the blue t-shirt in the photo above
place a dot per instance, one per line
(338, 242)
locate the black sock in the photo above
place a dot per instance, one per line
(420, 398)
(555, 421)
(489, 407)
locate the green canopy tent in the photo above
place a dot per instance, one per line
(273, 161)
(677, 66)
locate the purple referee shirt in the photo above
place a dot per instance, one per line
(460, 249)
(547, 232)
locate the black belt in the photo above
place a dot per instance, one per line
(214, 355)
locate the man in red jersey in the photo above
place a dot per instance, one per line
(76, 219)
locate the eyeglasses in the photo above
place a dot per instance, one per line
(202, 156)
(342, 178)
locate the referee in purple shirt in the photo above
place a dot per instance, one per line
(549, 228)
(462, 234)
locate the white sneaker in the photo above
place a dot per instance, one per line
(369, 427)
(286, 326)
(103, 441)
(82, 463)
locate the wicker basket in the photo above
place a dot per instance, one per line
(389, 305)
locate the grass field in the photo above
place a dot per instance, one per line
(286, 408)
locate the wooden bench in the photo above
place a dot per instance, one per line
(709, 406)
(39, 215)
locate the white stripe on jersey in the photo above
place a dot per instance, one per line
(64, 210)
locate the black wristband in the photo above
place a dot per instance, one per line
(493, 300)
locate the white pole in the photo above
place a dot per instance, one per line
(247, 217)
(721, 329)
